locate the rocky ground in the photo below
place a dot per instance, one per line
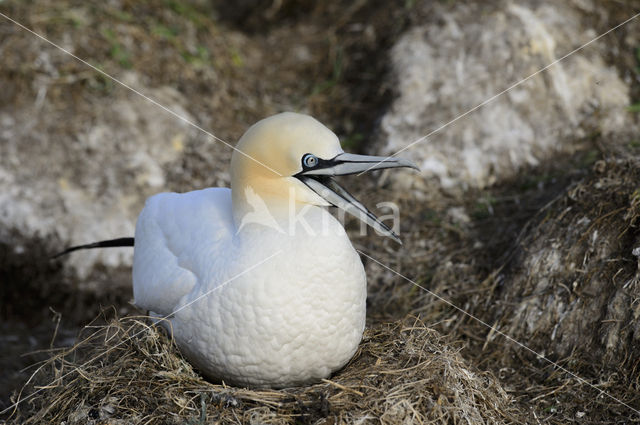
(525, 215)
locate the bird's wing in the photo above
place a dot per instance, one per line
(176, 241)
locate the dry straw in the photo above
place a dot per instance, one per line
(403, 372)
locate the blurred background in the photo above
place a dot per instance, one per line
(525, 213)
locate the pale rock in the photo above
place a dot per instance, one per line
(467, 55)
(92, 185)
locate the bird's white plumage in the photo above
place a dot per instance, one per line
(174, 235)
(293, 319)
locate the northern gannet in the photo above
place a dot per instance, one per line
(260, 283)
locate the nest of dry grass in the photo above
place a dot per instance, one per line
(130, 372)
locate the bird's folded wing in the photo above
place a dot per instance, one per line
(178, 237)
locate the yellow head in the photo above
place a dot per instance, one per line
(270, 153)
(289, 159)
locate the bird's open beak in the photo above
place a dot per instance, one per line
(319, 180)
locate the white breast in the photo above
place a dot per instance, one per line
(293, 319)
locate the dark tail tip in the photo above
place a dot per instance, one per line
(112, 243)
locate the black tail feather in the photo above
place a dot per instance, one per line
(112, 243)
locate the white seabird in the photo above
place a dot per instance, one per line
(260, 283)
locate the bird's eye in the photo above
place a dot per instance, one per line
(309, 160)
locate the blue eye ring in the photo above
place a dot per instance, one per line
(309, 160)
